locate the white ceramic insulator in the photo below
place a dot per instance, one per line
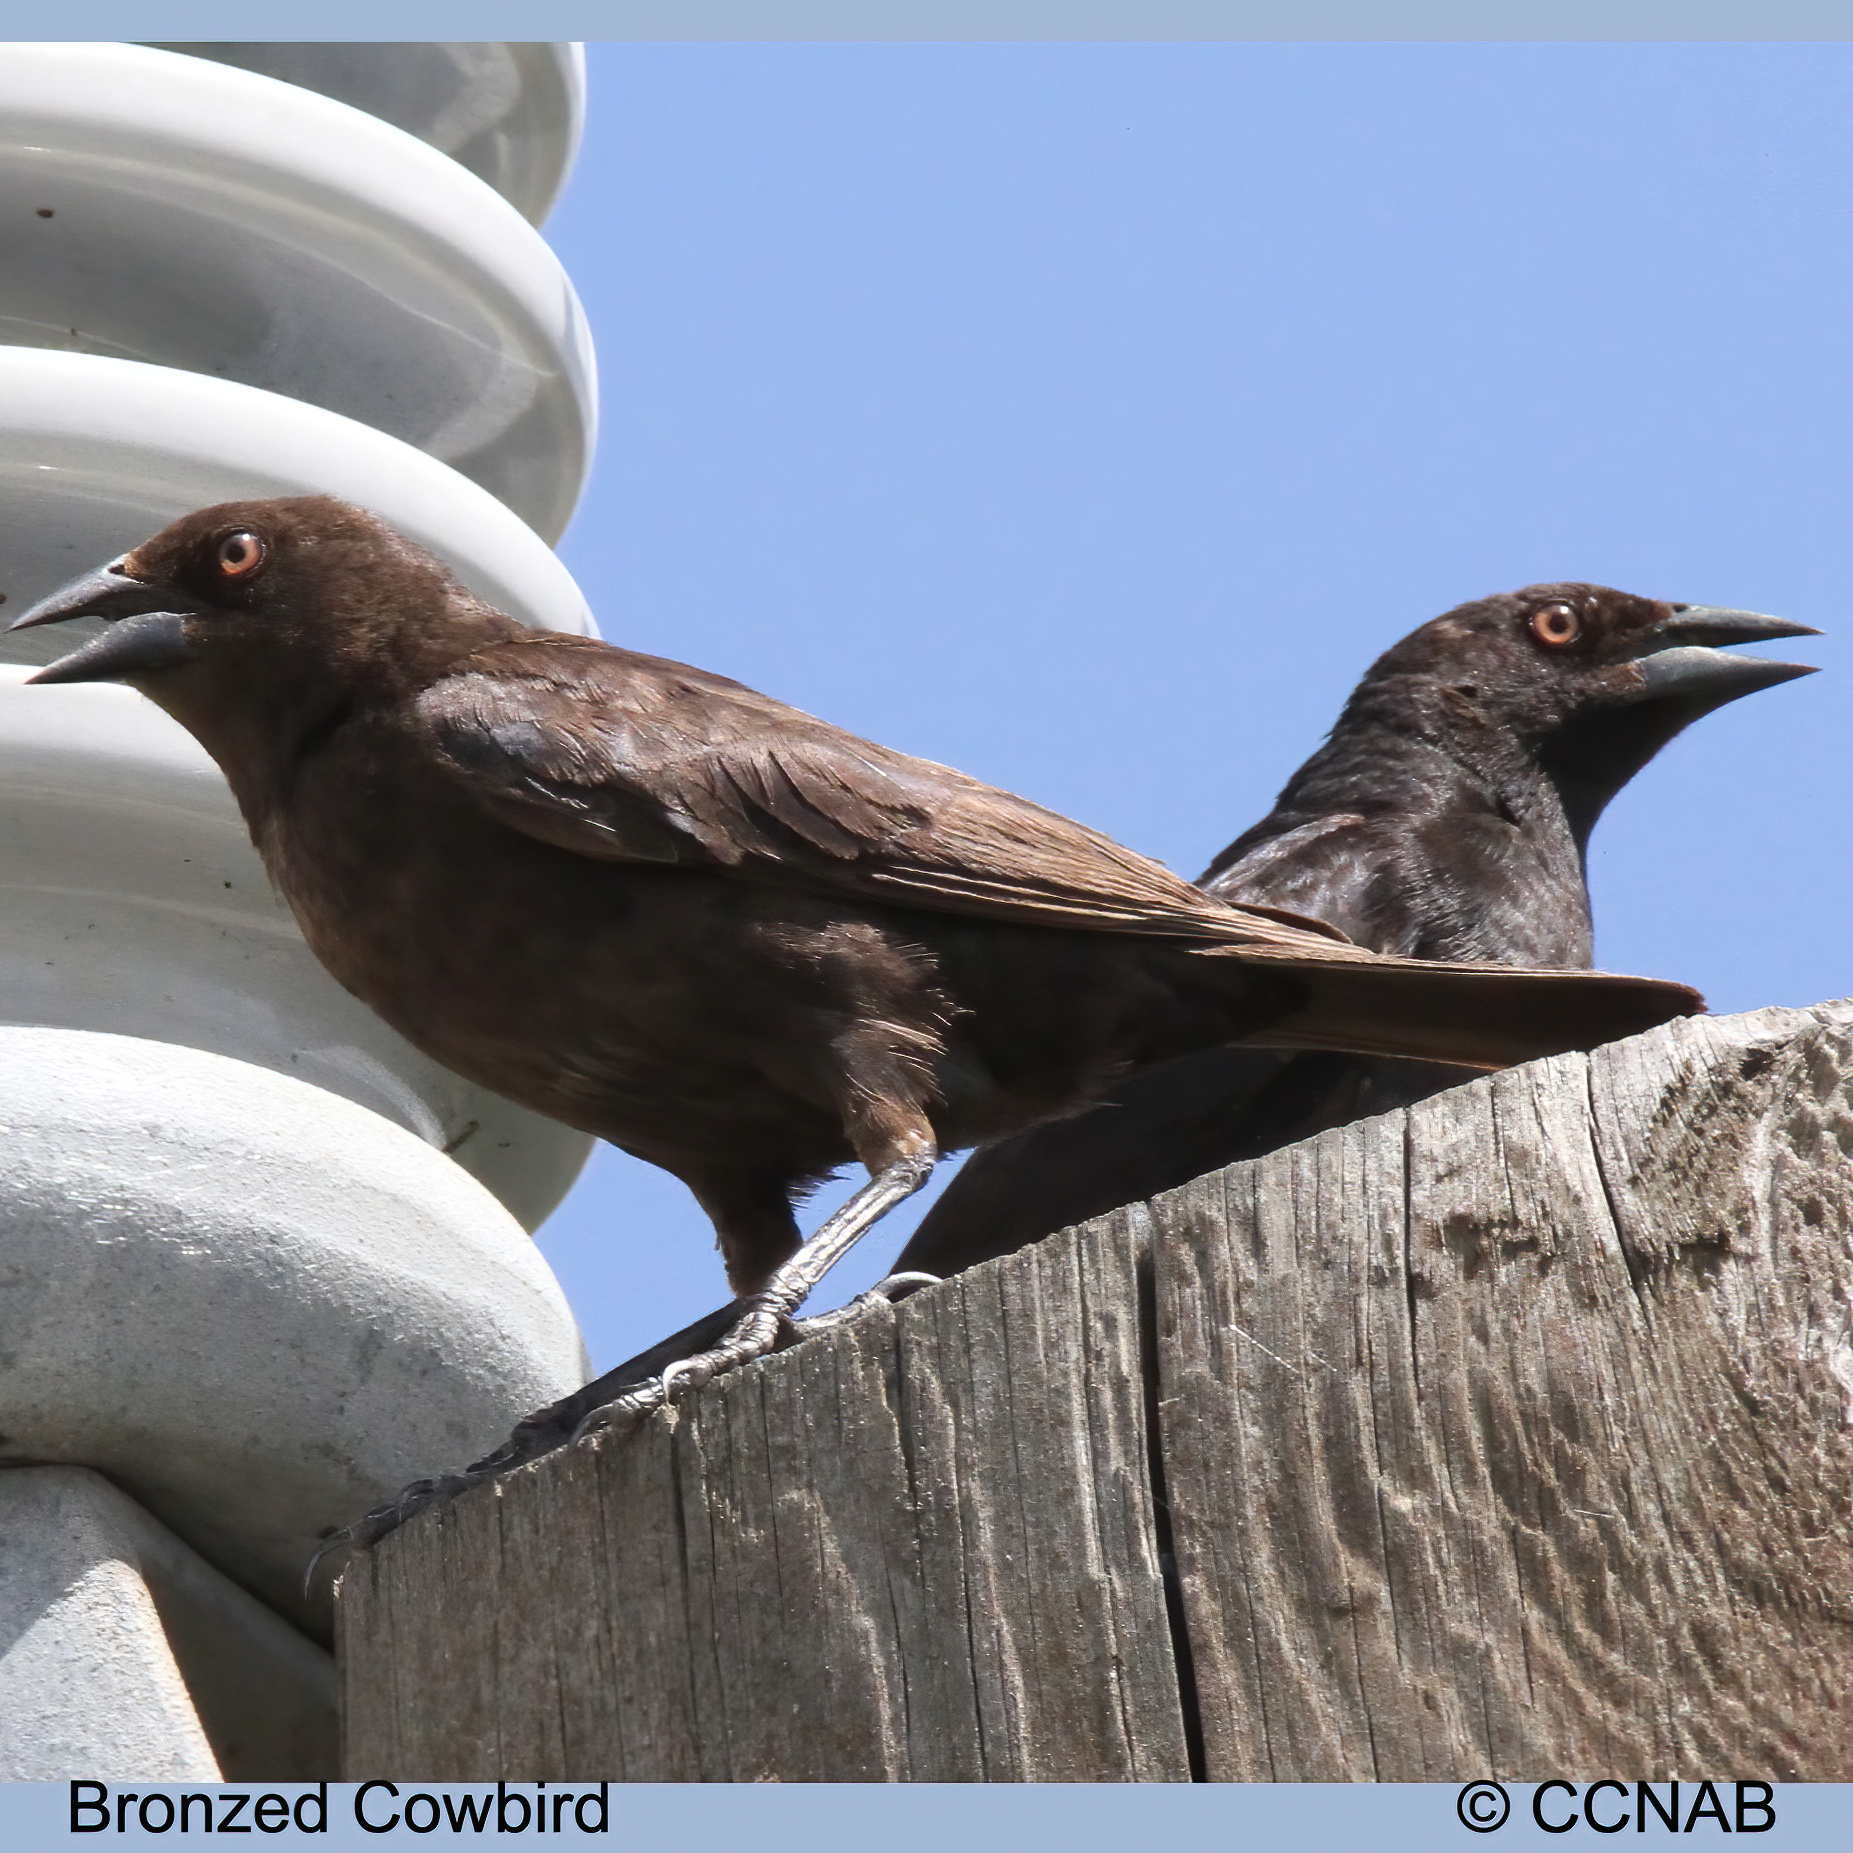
(255, 1306)
(128, 1652)
(168, 209)
(239, 1276)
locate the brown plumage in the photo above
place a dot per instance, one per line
(724, 935)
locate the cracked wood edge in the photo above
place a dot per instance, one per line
(921, 1548)
(1512, 1433)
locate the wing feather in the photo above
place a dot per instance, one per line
(630, 758)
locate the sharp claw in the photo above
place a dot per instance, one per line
(341, 1541)
(638, 1402)
(382, 1521)
(757, 1332)
(884, 1293)
(899, 1286)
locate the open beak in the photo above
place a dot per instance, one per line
(147, 626)
(1683, 657)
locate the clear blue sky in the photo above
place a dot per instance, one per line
(1089, 416)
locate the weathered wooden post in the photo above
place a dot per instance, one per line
(1508, 1435)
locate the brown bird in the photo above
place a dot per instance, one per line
(1446, 816)
(725, 936)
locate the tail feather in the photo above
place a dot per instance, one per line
(1479, 1016)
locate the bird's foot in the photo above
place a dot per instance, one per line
(755, 1334)
(383, 1520)
(747, 1329)
(889, 1292)
(764, 1328)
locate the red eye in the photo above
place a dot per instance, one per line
(1556, 626)
(240, 554)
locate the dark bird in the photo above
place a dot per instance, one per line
(721, 934)
(1446, 816)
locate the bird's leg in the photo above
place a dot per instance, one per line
(752, 1213)
(787, 1290)
(747, 1328)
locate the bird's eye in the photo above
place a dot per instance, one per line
(1556, 625)
(240, 555)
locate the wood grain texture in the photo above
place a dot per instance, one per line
(1511, 1435)
(918, 1549)
(1508, 1435)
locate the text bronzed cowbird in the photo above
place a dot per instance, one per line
(1445, 817)
(730, 938)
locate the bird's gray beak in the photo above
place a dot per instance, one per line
(1684, 657)
(147, 626)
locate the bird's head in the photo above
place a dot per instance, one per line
(249, 617)
(1587, 682)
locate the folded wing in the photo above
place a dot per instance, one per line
(630, 758)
